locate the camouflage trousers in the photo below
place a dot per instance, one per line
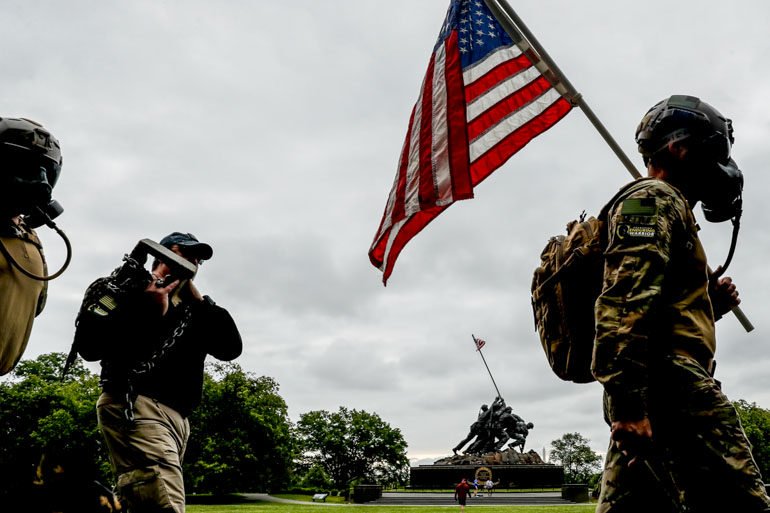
(700, 462)
(146, 454)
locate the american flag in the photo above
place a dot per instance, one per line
(479, 343)
(484, 96)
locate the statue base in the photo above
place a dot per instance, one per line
(508, 469)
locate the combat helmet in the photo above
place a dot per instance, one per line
(680, 118)
(30, 163)
(708, 136)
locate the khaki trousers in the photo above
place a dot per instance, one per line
(146, 454)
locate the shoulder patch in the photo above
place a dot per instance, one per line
(632, 231)
(639, 207)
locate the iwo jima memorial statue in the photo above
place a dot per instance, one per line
(491, 452)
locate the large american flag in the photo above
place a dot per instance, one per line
(484, 96)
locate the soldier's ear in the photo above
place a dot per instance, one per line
(678, 150)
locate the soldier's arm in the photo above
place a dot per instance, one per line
(640, 239)
(219, 330)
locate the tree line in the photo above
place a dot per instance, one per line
(582, 465)
(242, 439)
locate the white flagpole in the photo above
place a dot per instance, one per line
(516, 28)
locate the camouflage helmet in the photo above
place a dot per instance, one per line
(680, 118)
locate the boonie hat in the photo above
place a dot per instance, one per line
(190, 243)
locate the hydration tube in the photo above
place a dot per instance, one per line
(48, 222)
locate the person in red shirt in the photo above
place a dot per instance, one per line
(461, 493)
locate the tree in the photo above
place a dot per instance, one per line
(241, 436)
(577, 458)
(352, 444)
(756, 424)
(316, 477)
(40, 412)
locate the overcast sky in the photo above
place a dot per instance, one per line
(272, 131)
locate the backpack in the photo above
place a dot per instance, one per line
(565, 287)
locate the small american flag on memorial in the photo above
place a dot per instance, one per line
(479, 343)
(484, 97)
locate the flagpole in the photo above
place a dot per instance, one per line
(478, 350)
(514, 26)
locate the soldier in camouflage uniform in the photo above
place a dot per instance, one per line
(676, 441)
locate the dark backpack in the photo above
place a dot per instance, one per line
(564, 290)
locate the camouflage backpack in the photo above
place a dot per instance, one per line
(564, 289)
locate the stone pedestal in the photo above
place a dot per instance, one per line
(575, 492)
(508, 476)
(509, 469)
(366, 493)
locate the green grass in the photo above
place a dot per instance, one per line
(273, 507)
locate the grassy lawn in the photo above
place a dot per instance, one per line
(268, 507)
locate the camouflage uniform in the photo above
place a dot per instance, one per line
(653, 354)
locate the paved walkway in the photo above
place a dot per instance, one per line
(269, 498)
(433, 499)
(495, 499)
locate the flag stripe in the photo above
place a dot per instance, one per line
(403, 231)
(501, 91)
(411, 203)
(511, 103)
(440, 137)
(462, 187)
(492, 61)
(394, 206)
(426, 186)
(398, 204)
(387, 262)
(496, 75)
(513, 122)
(516, 140)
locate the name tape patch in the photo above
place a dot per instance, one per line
(636, 231)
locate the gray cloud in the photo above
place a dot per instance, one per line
(273, 132)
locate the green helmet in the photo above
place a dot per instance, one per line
(30, 164)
